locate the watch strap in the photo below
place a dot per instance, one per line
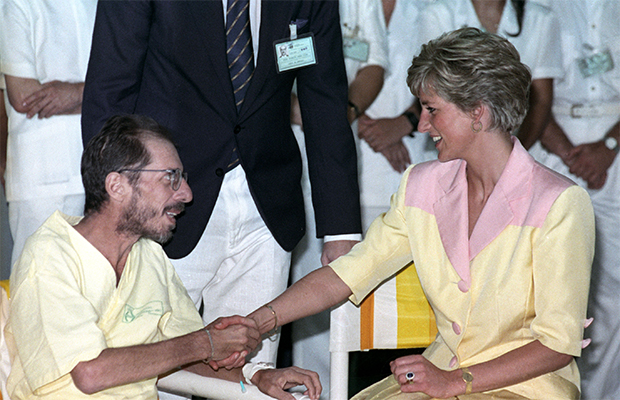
(413, 119)
(468, 378)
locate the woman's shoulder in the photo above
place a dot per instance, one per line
(548, 186)
(546, 179)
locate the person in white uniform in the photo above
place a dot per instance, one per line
(529, 25)
(366, 60)
(380, 169)
(45, 50)
(582, 142)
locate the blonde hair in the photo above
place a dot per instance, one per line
(468, 67)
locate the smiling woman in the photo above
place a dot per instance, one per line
(494, 237)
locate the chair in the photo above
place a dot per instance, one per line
(181, 382)
(395, 316)
(187, 383)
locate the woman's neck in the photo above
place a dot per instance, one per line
(485, 167)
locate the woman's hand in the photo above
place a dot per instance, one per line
(427, 378)
(274, 382)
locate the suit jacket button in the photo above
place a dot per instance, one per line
(237, 129)
(219, 172)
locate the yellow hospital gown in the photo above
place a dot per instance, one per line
(67, 308)
(523, 275)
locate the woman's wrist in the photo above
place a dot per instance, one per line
(457, 384)
(265, 319)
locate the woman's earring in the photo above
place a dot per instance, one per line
(476, 126)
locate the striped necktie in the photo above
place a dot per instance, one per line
(239, 51)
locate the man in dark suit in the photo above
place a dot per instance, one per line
(167, 60)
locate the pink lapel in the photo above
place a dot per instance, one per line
(452, 221)
(452, 215)
(503, 206)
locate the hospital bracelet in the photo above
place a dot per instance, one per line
(250, 369)
(211, 342)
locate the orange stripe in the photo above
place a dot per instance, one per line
(367, 322)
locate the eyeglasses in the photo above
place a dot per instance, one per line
(175, 176)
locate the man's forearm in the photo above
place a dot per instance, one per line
(539, 112)
(555, 140)
(364, 90)
(118, 366)
(18, 89)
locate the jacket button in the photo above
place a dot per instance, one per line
(237, 129)
(219, 172)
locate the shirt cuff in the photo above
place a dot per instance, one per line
(349, 236)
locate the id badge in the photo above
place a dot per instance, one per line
(295, 53)
(355, 49)
(596, 64)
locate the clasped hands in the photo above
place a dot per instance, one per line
(55, 98)
(233, 338)
(590, 162)
(385, 136)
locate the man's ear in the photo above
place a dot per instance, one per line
(117, 186)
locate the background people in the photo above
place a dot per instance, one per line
(503, 246)
(389, 125)
(45, 48)
(581, 142)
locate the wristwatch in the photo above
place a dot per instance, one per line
(612, 144)
(413, 120)
(468, 378)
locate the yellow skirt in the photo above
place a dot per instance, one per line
(389, 389)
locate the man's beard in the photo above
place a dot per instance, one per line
(135, 218)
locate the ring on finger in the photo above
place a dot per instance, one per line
(409, 376)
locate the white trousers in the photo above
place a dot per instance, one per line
(237, 265)
(26, 216)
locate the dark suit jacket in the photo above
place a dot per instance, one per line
(166, 59)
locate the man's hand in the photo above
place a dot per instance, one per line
(334, 249)
(55, 98)
(384, 132)
(233, 339)
(274, 382)
(398, 156)
(590, 162)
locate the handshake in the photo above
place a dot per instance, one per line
(226, 343)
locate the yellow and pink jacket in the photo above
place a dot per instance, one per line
(523, 275)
